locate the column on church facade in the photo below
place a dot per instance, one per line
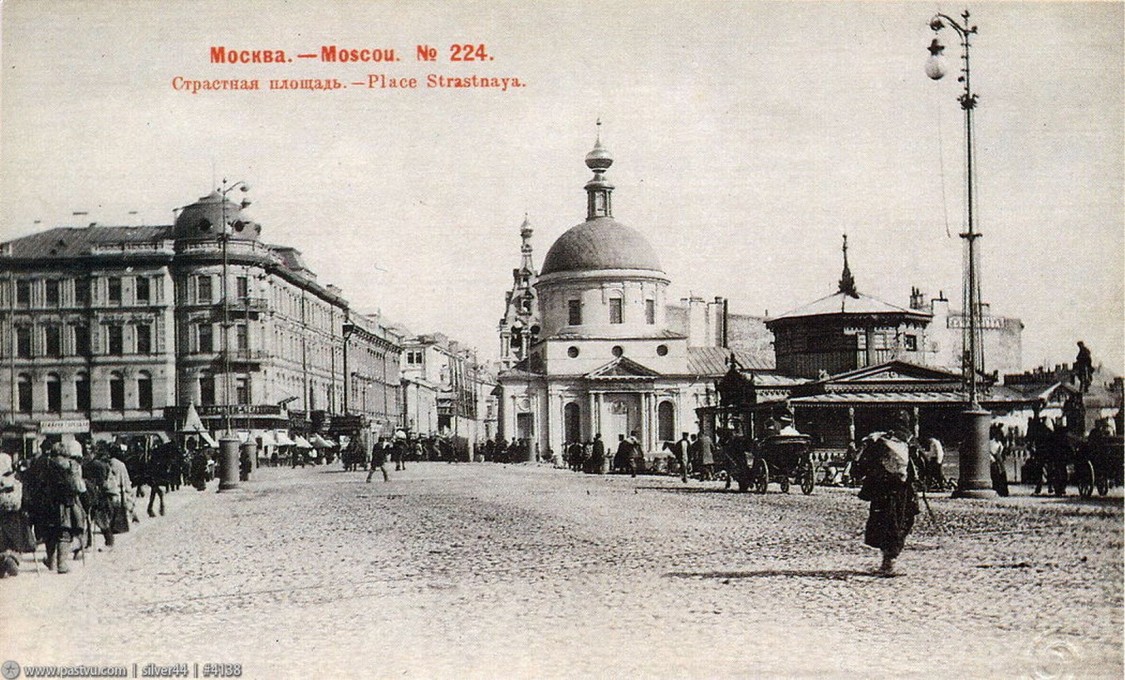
(646, 429)
(591, 417)
(555, 423)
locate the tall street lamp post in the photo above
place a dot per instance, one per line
(974, 480)
(228, 442)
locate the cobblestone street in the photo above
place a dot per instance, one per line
(521, 571)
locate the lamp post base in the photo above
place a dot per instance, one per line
(228, 463)
(975, 478)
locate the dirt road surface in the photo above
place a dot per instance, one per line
(522, 571)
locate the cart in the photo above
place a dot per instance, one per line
(784, 459)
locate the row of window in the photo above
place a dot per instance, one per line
(240, 383)
(616, 311)
(82, 392)
(53, 288)
(205, 291)
(53, 346)
(665, 421)
(616, 350)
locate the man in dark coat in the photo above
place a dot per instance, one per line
(379, 459)
(623, 458)
(1084, 367)
(683, 455)
(56, 506)
(597, 454)
(888, 460)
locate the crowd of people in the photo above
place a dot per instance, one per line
(68, 492)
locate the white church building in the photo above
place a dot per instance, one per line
(605, 356)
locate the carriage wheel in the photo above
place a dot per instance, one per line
(1103, 485)
(761, 476)
(808, 481)
(1085, 473)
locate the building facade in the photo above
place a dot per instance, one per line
(124, 327)
(447, 391)
(610, 359)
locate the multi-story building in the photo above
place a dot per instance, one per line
(372, 357)
(124, 327)
(1001, 336)
(446, 391)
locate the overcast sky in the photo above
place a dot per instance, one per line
(747, 136)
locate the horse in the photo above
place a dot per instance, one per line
(160, 468)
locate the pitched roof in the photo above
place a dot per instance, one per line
(842, 303)
(70, 242)
(997, 396)
(714, 361)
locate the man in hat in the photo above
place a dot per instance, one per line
(886, 458)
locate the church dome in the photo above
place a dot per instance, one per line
(600, 243)
(204, 219)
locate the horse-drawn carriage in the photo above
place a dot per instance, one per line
(783, 459)
(1099, 465)
(1063, 457)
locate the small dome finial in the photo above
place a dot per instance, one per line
(847, 281)
(599, 159)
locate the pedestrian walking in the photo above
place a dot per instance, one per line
(637, 456)
(996, 457)
(379, 459)
(623, 457)
(15, 529)
(682, 449)
(597, 454)
(57, 507)
(95, 474)
(887, 461)
(706, 457)
(398, 450)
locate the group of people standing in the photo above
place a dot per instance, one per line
(60, 497)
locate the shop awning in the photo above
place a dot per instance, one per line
(322, 443)
(210, 441)
(301, 442)
(192, 422)
(266, 437)
(282, 438)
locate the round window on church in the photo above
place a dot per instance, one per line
(617, 350)
(662, 350)
(572, 352)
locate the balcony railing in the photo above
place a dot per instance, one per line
(241, 306)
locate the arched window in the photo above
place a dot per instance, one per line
(666, 421)
(24, 397)
(116, 391)
(54, 393)
(82, 392)
(144, 390)
(572, 422)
